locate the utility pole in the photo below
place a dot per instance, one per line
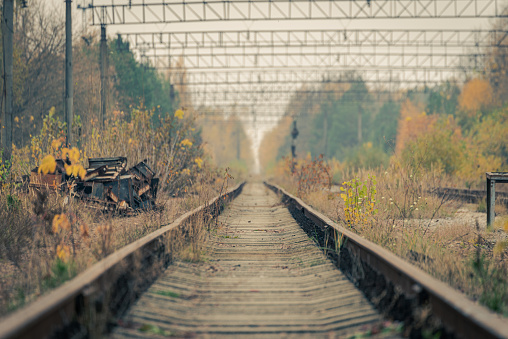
(7, 32)
(104, 71)
(69, 86)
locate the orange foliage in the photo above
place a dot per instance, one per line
(413, 122)
(477, 93)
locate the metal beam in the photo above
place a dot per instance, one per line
(335, 57)
(176, 41)
(112, 12)
(404, 78)
(277, 88)
(215, 88)
(275, 95)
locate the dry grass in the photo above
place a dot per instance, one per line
(31, 258)
(442, 236)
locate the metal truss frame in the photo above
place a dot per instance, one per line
(274, 90)
(176, 41)
(330, 57)
(276, 95)
(112, 12)
(404, 78)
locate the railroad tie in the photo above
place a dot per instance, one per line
(262, 276)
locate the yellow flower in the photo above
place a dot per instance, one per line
(199, 162)
(48, 165)
(186, 171)
(60, 221)
(31, 118)
(16, 119)
(186, 142)
(72, 154)
(75, 170)
(63, 252)
(179, 114)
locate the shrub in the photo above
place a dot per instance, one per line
(359, 202)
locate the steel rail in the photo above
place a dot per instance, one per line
(459, 315)
(66, 305)
(469, 195)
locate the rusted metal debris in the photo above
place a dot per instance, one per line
(107, 184)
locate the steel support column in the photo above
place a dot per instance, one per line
(104, 74)
(69, 86)
(7, 32)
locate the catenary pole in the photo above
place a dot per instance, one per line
(7, 32)
(69, 87)
(104, 75)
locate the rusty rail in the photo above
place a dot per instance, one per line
(458, 314)
(72, 306)
(467, 195)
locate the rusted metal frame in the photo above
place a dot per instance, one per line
(492, 178)
(66, 305)
(460, 315)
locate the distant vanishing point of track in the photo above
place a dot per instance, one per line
(262, 275)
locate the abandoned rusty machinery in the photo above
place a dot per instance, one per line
(107, 185)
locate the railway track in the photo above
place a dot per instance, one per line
(262, 275)
(470, 196)
(461, 194)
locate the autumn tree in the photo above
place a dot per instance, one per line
(443, 99)
(384, 126)
(438, 147)
(476, 95)
(136, 82)
(413, 122)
